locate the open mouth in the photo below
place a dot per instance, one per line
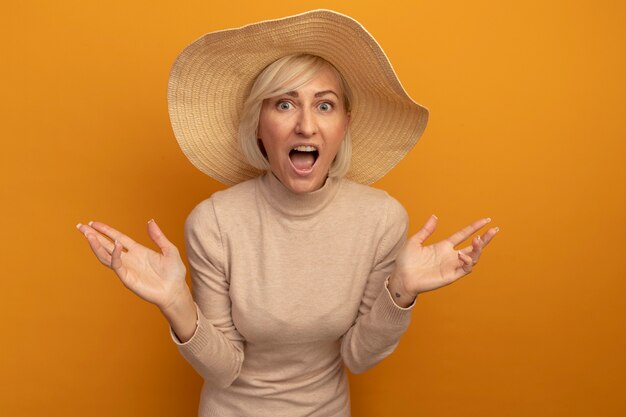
(303, 157)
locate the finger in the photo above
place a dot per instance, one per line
(113, 234)
(98, 249)
(116, 259)
(479, 243)
(87, 230)
(467, 231)
(466, 262)
(103, 241)
(476, 249)
(427, 229)
(489, 234)
(84, 229)
(158, 237)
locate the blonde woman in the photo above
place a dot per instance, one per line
(299, 269)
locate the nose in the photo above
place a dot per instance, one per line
(306, 125)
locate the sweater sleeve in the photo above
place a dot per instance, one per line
(380, 322)
(215, 350)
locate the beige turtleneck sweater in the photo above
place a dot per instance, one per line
(289, 288)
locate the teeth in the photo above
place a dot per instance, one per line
(305, 148)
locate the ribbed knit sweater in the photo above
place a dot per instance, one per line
(290, 288)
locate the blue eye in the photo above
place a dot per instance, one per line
(325, 106)
(283, 105)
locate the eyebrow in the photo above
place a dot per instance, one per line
(318, 94)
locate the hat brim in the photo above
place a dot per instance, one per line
(212, 77)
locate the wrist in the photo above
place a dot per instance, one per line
(182, 315)
(177, 302)
(401, 296)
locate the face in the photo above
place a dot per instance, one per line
(302, 130)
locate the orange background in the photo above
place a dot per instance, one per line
(527, 126)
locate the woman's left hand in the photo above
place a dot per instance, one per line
(422, 268)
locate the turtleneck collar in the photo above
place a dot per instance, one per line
(293, 204)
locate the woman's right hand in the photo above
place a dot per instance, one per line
(158, 278)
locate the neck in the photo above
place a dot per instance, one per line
(294, 204)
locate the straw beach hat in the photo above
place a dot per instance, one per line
(212, 77)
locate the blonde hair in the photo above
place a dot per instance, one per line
(282, 76)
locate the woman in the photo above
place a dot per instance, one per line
(296, 270)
